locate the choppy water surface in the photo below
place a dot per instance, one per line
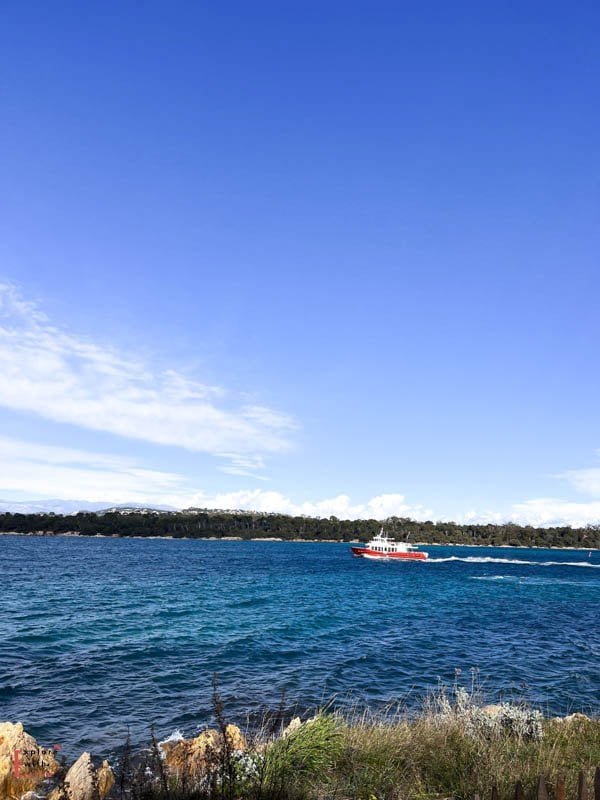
(101, 635)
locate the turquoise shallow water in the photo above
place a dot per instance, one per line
(98, 636)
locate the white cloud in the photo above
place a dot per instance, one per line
(58, 472)
(48, 471)
(541, 512)
(380, 507)
(585, 481)
(548, 511)
(65, 378)
(243, 465)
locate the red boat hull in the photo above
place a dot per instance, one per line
(365, 552)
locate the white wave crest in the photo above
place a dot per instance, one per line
(176, 736)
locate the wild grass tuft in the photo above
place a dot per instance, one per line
(302, 760)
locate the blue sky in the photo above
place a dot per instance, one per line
(313, 257)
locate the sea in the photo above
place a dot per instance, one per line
(101, 638)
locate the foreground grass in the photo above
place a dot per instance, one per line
(428, 760)
(453, 751)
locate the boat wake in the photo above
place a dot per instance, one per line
(492, 560)
(531, 580)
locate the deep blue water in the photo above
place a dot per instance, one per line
(101, 635)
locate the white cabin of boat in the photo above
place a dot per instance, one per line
(383, 544)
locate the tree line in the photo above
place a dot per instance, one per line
(204, 523)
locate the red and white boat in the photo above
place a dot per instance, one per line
(383, 548)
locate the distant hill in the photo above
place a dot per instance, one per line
(69, 507)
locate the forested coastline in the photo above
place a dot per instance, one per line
(204, 524)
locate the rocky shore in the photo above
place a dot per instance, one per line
(29, 771)
(304, 759)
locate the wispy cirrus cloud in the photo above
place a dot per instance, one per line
(66, 378)
(250, 466)
(584, 481)
(38, 470)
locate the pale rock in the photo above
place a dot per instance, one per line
(106, 779)
(293, 726)
(195, 756)
(84, 781)
(23, 764)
